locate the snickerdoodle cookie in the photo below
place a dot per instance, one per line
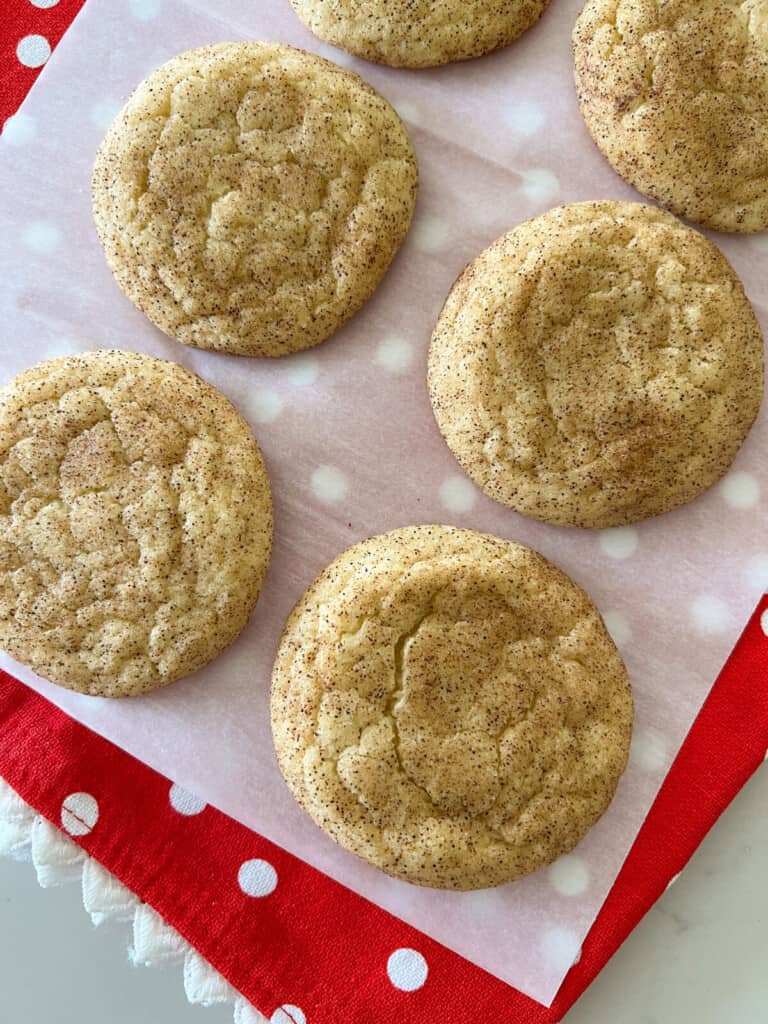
(449, 706)
(675, 94)
(419, 33)
(597, 365)
(135, 522)
(250, 196)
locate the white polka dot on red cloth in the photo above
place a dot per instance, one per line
(257, 878)
(44, 4)
(19, 130)
(457, 494)
(79, 814)
(40, 236)
(184, 802)
(407, 969)
(145, 10)
(394, 354)
(33, 51)
(288, 1014)
(569, 875)
(648, 750)
(561, 948)
(740, 490)
(540, 186)
(619, 542)
(709, 614)
(329, 484)
(673, 879)
(430, 234)
(764, 622)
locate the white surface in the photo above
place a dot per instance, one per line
(354, 449)
(698, 956)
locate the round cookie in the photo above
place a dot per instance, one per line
(250, 196)
(597, 365)
(675, 94)
(419, 33)
(449, 706)
(135, 522)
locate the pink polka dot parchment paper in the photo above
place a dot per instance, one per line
(353, 449)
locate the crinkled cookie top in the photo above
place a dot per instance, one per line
(250, 196)
(449, 706)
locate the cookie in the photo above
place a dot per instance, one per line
(419, 33)
(597, 365)
(135, 522)
(449, 706)
(250, 197)
(675, 94)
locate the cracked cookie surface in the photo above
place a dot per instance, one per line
(250, 196)
(449, 706)
(597, 365)
(419, 33)
(675, 94)
(135, 522)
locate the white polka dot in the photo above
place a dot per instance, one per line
(458, 494)
(145, 10)
(301, 369)
(288, 1014)
(648, 750)
(407, 969)
(759, 242)
(430, 234)
(619, 542)
(104, 112)
(766, 756)
(394, 354)
(257, 878)
(569, 875)
(408, 112)
(540, 186)
(561, 948)
(329, 484)
(33, 51)
(756, 573)
(764, 622)
(19, 130)
(41, 236)
(333, 53)
(617, 625)
(673, 879)
(263, 405)
(740, 490)
(710, 614)
(79, 814)
(524, 117)
(184, 802)
(44, 4)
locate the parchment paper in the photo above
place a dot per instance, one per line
(499, 140)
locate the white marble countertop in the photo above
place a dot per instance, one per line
(699, 957)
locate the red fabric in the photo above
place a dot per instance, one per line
(21, 18)
(295, 946)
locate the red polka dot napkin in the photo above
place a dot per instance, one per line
(299, 945)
